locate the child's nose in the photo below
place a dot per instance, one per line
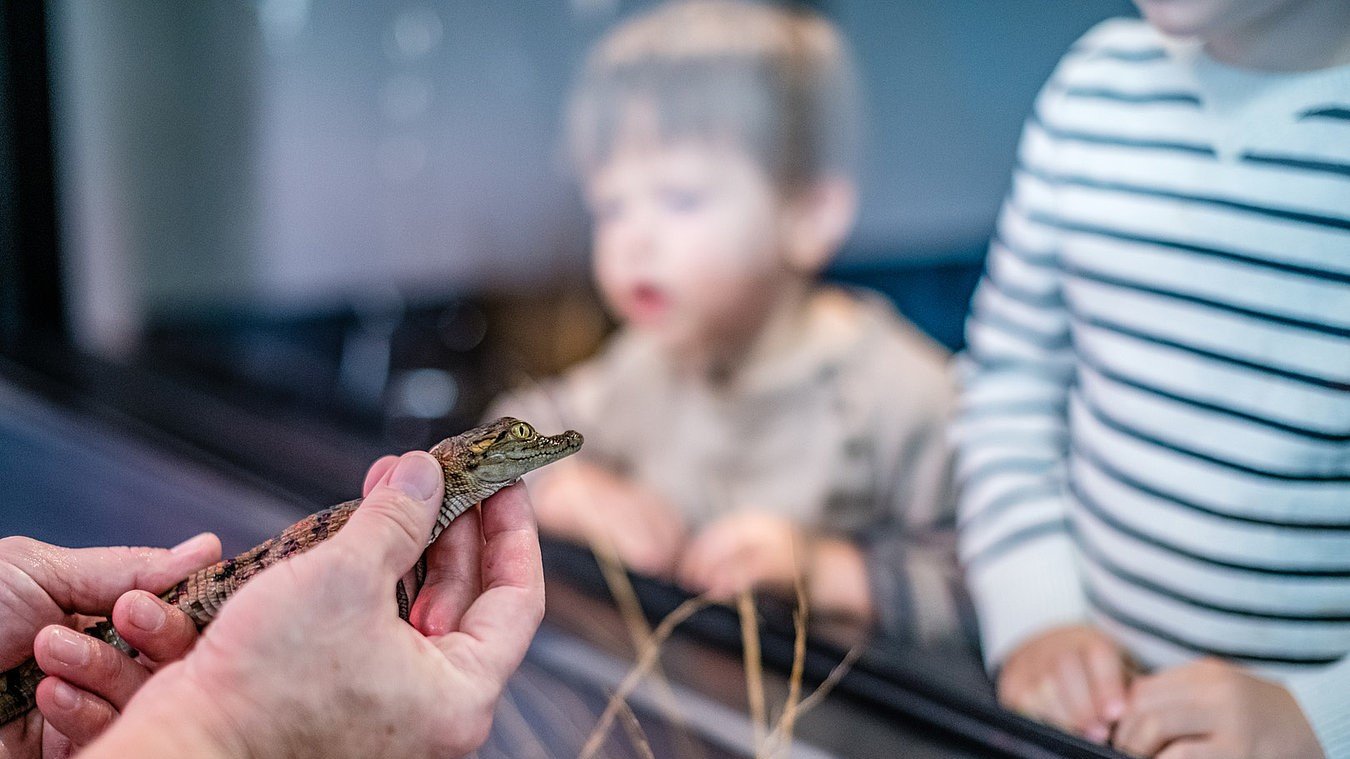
(638, 238)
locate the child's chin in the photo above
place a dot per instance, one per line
(1183, 18)
(668, 337)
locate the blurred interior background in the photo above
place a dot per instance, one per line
(360, 208)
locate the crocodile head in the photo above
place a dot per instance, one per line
(489, 457)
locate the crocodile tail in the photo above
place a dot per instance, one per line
(18, 686)
(105, 632)
(18, 690)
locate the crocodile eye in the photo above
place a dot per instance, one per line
(522, 430)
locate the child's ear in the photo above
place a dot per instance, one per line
(820, 218)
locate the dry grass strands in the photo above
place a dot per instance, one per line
(646, 659)
(634, 729)
(640, 634)
(754, 668)
(780, 740)
(836, 674)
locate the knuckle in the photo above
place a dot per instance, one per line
(95, 717)
(466, 660)
(341, 569)
(398, 510)
(116, 675)
(108, 663)
(18, 544)
(22, 599)
(29, 557)
(1101, 650)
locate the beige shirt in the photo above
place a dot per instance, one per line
(844, 433)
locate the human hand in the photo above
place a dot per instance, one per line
(46, 592)
(742, 551)
(1210, 708)
(583, 502)
(1073, 677)
(311, 659)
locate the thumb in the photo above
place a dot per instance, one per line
(393, 524)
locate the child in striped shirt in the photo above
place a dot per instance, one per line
(1153, 431)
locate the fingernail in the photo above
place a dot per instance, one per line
(69, 647)
(65, 696)
(418, 476)
(191, 544)
(1097, 733)
(1115, 709)
(146, 614)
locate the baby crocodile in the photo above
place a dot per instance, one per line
(477, 464)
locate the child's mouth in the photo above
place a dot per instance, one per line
(648, 303)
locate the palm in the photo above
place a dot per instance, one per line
(245, 643)
(250, 649)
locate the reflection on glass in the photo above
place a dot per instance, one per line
(367, 218)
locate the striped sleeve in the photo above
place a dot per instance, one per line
(1010, 430)
(897, 395)
(911, 558)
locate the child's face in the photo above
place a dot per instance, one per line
(1206, 19)
(687, 242)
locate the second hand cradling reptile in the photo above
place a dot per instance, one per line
(476, 464)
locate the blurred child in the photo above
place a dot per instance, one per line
(745, 422)
(1153, 432)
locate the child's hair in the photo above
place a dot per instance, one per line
(775, 82)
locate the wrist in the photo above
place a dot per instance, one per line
(170, 735)
(168, 723)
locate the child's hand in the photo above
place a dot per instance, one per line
(1212, 709)
(741, 551)
(586, 503)
(1073, 677)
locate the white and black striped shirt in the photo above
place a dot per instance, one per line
(1154, 433)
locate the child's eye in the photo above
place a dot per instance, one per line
(683, 200)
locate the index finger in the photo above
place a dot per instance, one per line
(1076, 694)
(452, 576)
(498, 626)
(1106, 674)
(382, 466)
